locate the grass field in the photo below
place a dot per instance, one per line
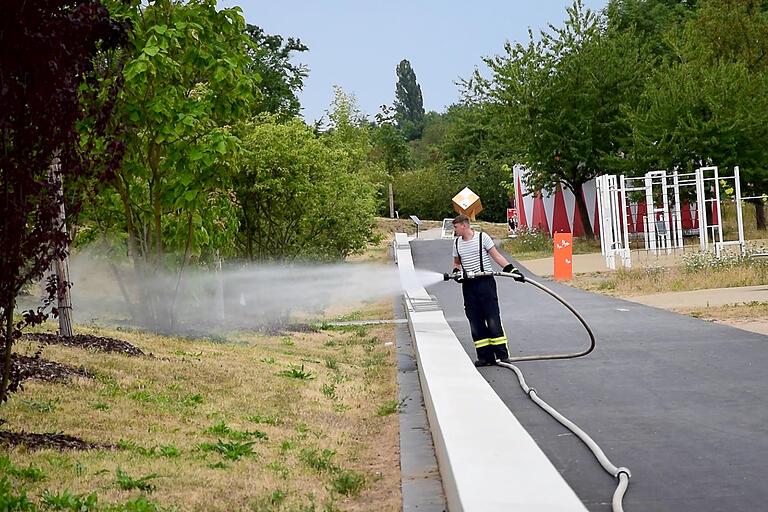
(300, 421)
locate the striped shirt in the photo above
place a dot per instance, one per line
(469, 252)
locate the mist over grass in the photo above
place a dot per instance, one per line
(239, 296)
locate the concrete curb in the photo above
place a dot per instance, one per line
(465, 415)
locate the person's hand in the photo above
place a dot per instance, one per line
(458, 275)
(516, 274)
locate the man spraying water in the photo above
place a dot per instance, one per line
(472, 253)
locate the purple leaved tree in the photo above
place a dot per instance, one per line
(49, 53)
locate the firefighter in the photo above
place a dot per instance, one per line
(472, 252)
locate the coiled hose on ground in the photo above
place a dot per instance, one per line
(622, 474)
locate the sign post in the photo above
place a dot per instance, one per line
(563, 256)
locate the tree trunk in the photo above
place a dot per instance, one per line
(583, 212)
(8, 346)
(61, 266)
(219, 289)
(172, 312)
(391, 203)
(760, 214)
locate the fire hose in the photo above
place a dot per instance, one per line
(622, 474)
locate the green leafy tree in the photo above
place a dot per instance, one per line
(350, 129)
(657, 23)
(560, 101)
(475, 155)
(186, 81)
(279, 80)
(427, 149)
(301, 195)
(389, 144)
(426, 192)
(409, 105)
(707, 107)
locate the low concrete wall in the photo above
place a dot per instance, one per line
(465, 415)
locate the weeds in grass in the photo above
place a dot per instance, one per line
(233, 450)
(287, 341)
(359, 330)
(329, 390)
(31, 472)
(267, 420)
(268, 503)
(331, 363)
(221, 429)
(11, 501)
(338, 378)
(349, 317)
(187, 354)
(65, 500)
(390, 407)
(100, 406)
(319, 460)
(192, 399)
(340, 407)
(279, 469)
(128, 483)
(348, 482)
(169, 450)
(42, 405)
(139, 504)
(296, 372)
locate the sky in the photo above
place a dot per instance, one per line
(357, 44)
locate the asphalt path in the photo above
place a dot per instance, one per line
(681, 402)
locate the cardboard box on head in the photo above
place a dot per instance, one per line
(468, 203)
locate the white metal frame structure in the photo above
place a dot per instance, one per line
(662, 225)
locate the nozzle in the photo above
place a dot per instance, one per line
(446, 276)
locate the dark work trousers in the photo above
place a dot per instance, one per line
(481, 304)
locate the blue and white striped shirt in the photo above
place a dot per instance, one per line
(469, 252)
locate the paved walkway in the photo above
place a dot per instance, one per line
(679, 401)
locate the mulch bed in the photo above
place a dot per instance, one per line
(38, 368)
(87, 341)
(50, 440)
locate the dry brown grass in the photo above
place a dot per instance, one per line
(335, 428)
(677, 278)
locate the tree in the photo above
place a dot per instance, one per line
(656, 23)
(47, 53)
(475, 155)
(560, 101)
(409, 105)
(301, 195)
(279, 80)
(707, 106)
(186, 83)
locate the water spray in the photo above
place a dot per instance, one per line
(622, 474)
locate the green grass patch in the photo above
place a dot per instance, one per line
(128, 483)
